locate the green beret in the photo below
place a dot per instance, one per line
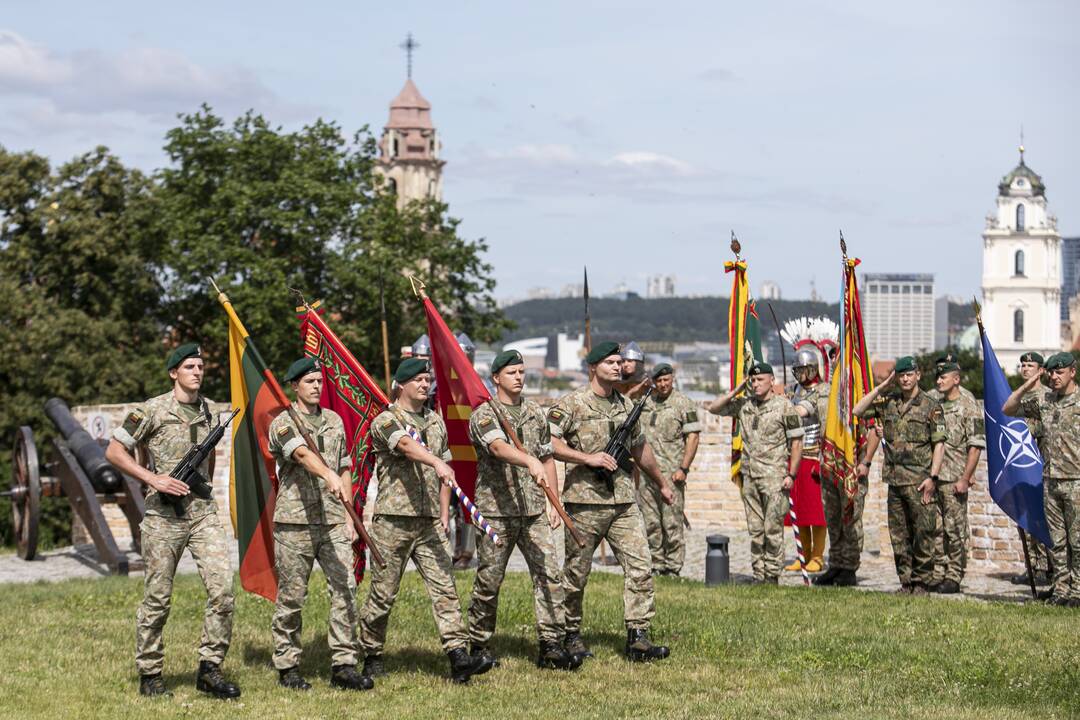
(946, 367)
(1060, 360)
(601, 351)
(410, 368)
(1033, 357)
(761, 368)
(300, 368)
(506, 358)
(905, 364)
(182, 353)
(946, 358)
(661, 369)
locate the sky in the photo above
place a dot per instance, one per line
(630, 137)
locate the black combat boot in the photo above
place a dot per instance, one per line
(552, 655)
(346, 677)
(463, 666)
(576, 647)
(292, 679)
(373, 666)
(639, 649)
(211, 681)
(947, 587)
(153, 686)
(827, 577)
(482, 652)
(845, 578)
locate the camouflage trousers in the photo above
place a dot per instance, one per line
(1061, 500)
(163, 542)
(622, 526)
(421, 539)
(663, 525)
(1040, 557)
(534, 537)
(296, 548)
(912, 529)
(766, 503)
(845, 538)
(951, 534)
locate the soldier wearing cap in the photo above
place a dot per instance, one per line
(509, 493)
(411, 521)
(948, 359)
(168, 426)
(1031, 363)
(310, 524)
(914, 435)
(581, 425)
(1059, 410)
(965, 439)
(672, 429)
(769, 425)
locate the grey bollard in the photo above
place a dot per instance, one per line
(717, 561)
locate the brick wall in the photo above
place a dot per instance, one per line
(713, 501)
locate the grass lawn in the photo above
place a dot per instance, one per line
(66, 651)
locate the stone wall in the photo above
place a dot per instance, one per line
(713, 501)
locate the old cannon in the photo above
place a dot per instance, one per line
(76, 469)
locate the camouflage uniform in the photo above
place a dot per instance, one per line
(1040, 557)
(309, 525)
(585, 421)
(964, 429)
(168, 429)
(767, 426)
(1060, 416)
(407, 525)
(910, 432)
(514, 506)
(667, 423)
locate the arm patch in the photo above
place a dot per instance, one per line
(131, 423)
(691, 417)
(792, 422)
(486, 422)
(556, 415)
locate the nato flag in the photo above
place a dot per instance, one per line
(1012, 458)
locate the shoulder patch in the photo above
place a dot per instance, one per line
(792, 422)
(284, 430)
(980, 426)
(486, 422)
(387, 423)
(691, 417)
(556, 414)
(132, 421)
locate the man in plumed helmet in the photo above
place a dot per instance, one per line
(811, 401)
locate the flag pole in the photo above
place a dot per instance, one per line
(283, 400)
(385, 340)
(1027, 562)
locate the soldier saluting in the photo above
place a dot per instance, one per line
(309, 525)
(509, 493)
(168, 426)
(581, 425)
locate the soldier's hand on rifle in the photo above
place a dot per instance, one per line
(926, 487)
(445, 473)
(602, 460)
(168, 485)
(667, 495)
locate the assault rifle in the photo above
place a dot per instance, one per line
(618, 445)
(187, 471)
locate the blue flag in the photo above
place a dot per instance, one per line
(1012, 457)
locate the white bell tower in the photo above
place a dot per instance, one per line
(1021, 278)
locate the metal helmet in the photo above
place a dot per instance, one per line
(422, 346)
(805, 357)
(467, 346)
(631, 351)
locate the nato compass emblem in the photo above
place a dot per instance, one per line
(1016, 446)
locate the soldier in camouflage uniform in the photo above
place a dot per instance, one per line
(768, 423)
(1031, 363)
(168, 426)
(509, 493)
(1059, 411)
(914, 435)
(672, 429)
(411, 521)
(581, 425)
(965, 439)
(948, 359)
(309, 525)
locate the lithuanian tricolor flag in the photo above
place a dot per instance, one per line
(744, 338)
(252, 470)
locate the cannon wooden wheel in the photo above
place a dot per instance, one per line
(25, 493)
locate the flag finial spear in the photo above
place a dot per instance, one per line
(978, 312)
(418, 287)
(736, 246)
(843, 244)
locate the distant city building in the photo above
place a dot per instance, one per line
(572, 290)
(562, 352)
(1070, 273)
(1022, 278)
(898, 313)
(538, 293)
(769, 291)
(660, 286)
(941, 323)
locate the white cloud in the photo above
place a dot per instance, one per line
(147, 81)
(650, 161)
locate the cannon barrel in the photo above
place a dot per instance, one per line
(91, 457)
